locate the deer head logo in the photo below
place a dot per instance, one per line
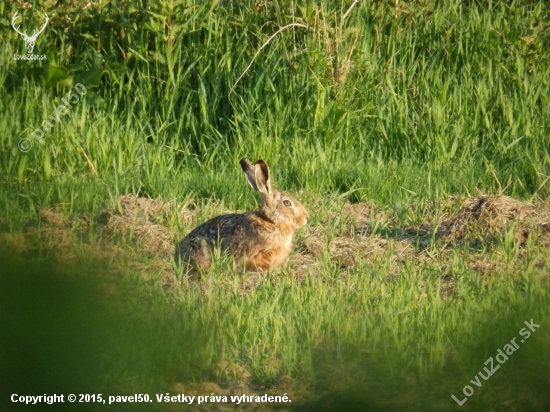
(30, 40)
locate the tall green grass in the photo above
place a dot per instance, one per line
(443, 91)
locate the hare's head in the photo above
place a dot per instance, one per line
(278, 207)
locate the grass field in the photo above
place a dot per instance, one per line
(417, 134)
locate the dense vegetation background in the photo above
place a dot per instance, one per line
(430, 96)
(394, 103)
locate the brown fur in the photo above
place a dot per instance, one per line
(258, 240)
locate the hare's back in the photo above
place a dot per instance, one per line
(224, 228)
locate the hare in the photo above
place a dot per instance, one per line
(258, 240)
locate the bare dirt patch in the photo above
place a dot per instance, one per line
(138, 222)
(142, 231)
(365, 234)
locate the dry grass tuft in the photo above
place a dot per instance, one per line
(16, 241)
(138, 223)
(487, 216)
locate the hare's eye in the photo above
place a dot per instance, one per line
(287, 203)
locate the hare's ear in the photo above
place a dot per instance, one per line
(263, 181)
(257, 175)
(250, 172)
